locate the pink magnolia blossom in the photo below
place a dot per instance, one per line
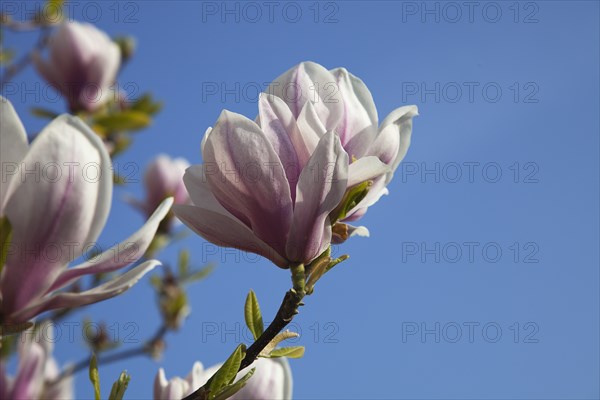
(163, 178)
(272, 380)
(269, 186)
(56, 194)
(243, 197)
(38, 372)
(83, 64)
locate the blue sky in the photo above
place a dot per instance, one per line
(481, 275)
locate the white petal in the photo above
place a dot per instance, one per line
(401, 118)
(60, 206)
(364, 169)
(13, 148)
(107, 290)
(120, 255)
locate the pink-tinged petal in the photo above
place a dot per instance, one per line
(29, 381)
(321, 187)
(310, 126)
(226, 231)
(120, 255)
(105, 291)
(364, 169)
(386, 144)
(163, 178)
(59, 206)
(309, 81)
(401, 120)
(205, 138)
(230, 232)
(358, 126)
(13, 147)
(279, 126)
(101, 73)
(247, 177)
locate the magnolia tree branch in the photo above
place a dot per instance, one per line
(287, 310)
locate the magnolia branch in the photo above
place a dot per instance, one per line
(288, 309)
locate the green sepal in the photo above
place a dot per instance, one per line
(351, 198)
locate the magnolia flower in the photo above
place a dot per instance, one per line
(56, 195)
(163, 178)
(253, 194)
(83, 65)
(272, 380)
(315, 156)
(335, 100)
(38, 372)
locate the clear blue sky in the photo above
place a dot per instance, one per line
(515, 93)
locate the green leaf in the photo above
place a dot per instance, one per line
(129, 120)
(43, 113)
(290, 352)
(94, 376)
(253, 315)
(5, 239)
(232, 389)
(119, 387)
(228, 371)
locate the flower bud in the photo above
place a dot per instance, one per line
(82, 65)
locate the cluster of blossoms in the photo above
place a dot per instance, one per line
(285, 185)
